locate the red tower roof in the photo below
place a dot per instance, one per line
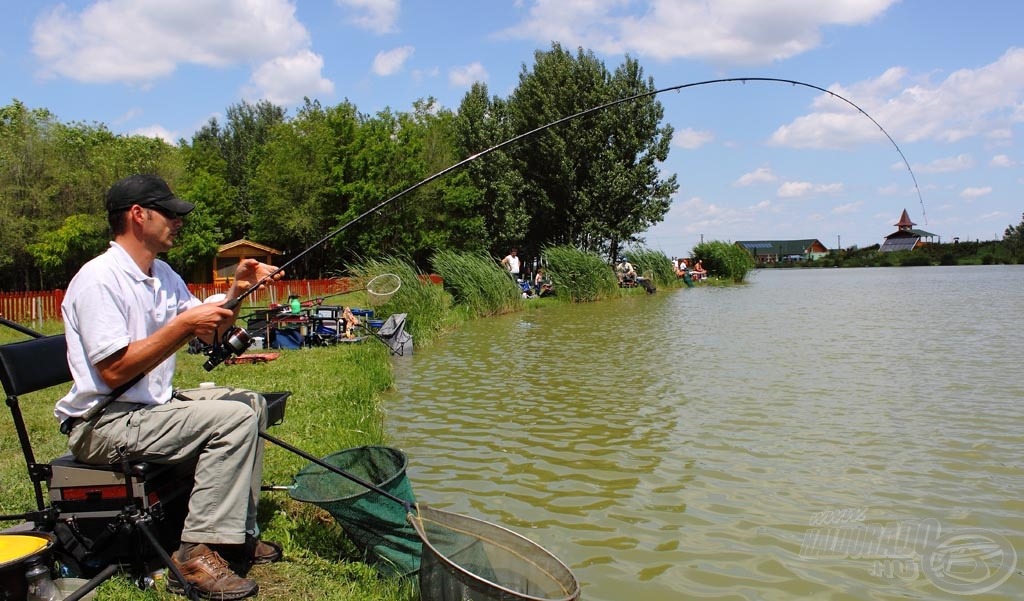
(905, 221)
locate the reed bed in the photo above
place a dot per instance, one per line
(724, 260)
(477, 282)
(654, 265)
(579, 276)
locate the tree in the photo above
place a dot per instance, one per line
(61, 252)
(51, 172)
(592, 182)
(299, 186)
(482, 123)
(1013, 238)
(233, 152)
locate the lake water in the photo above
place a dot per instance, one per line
(816, 434)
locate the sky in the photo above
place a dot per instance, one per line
(944, 79)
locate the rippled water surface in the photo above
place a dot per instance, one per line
(688, 444)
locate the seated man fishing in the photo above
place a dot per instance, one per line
(125, 314)
(625, 272)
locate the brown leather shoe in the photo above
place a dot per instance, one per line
(252, 552)
(209, 576)
(261, 551)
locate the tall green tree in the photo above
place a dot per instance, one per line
(25, 166)
(592, 182)
(53, 177)
(439, 215)
(483, 122)
(233, 152)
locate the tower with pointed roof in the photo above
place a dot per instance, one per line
(906, 237)
(905, 223)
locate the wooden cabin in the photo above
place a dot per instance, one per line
(228, 256)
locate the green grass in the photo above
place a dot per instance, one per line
(724, 260)
(428, 307)
(654, 265)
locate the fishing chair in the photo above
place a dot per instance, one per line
(327, 326)
(105, 518)
(392, 333)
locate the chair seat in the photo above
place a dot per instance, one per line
(140, 469)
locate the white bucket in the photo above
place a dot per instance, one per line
(257, 342)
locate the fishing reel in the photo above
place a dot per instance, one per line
(234, 342)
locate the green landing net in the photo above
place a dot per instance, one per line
(453, 557)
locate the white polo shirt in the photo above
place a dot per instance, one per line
(109, 303)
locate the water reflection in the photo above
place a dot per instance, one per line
(679, 444)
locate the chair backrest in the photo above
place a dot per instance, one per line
(27, 367)
(34, 364)
(393, 326)
(393, 334)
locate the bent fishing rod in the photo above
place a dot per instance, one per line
(231, 304)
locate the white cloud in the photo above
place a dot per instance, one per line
(157, 131)
(129, 115)
(421, 74)
(467, 75)
(976, 192)
(967, 103)
(691, 139)
(946, 165)
(801, 189)
(378, 16)
(848, 208)
(390, 62)
(737, 32)
(140, 41)
(286, 79)
(794, 189)
(760, 175)
(1001, 160)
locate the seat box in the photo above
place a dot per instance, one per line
(88, 491)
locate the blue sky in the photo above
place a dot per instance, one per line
(945, 78)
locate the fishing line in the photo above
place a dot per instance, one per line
(238, 299)
(232, 304)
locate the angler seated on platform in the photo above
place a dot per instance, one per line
(126, 313)
(626, 273)
(698, 272)
(682, 270)
(542, 284)
(349, 323)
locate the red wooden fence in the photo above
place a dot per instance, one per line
(35, 307)
(31, 307)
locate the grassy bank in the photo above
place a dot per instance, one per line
(334, 405)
